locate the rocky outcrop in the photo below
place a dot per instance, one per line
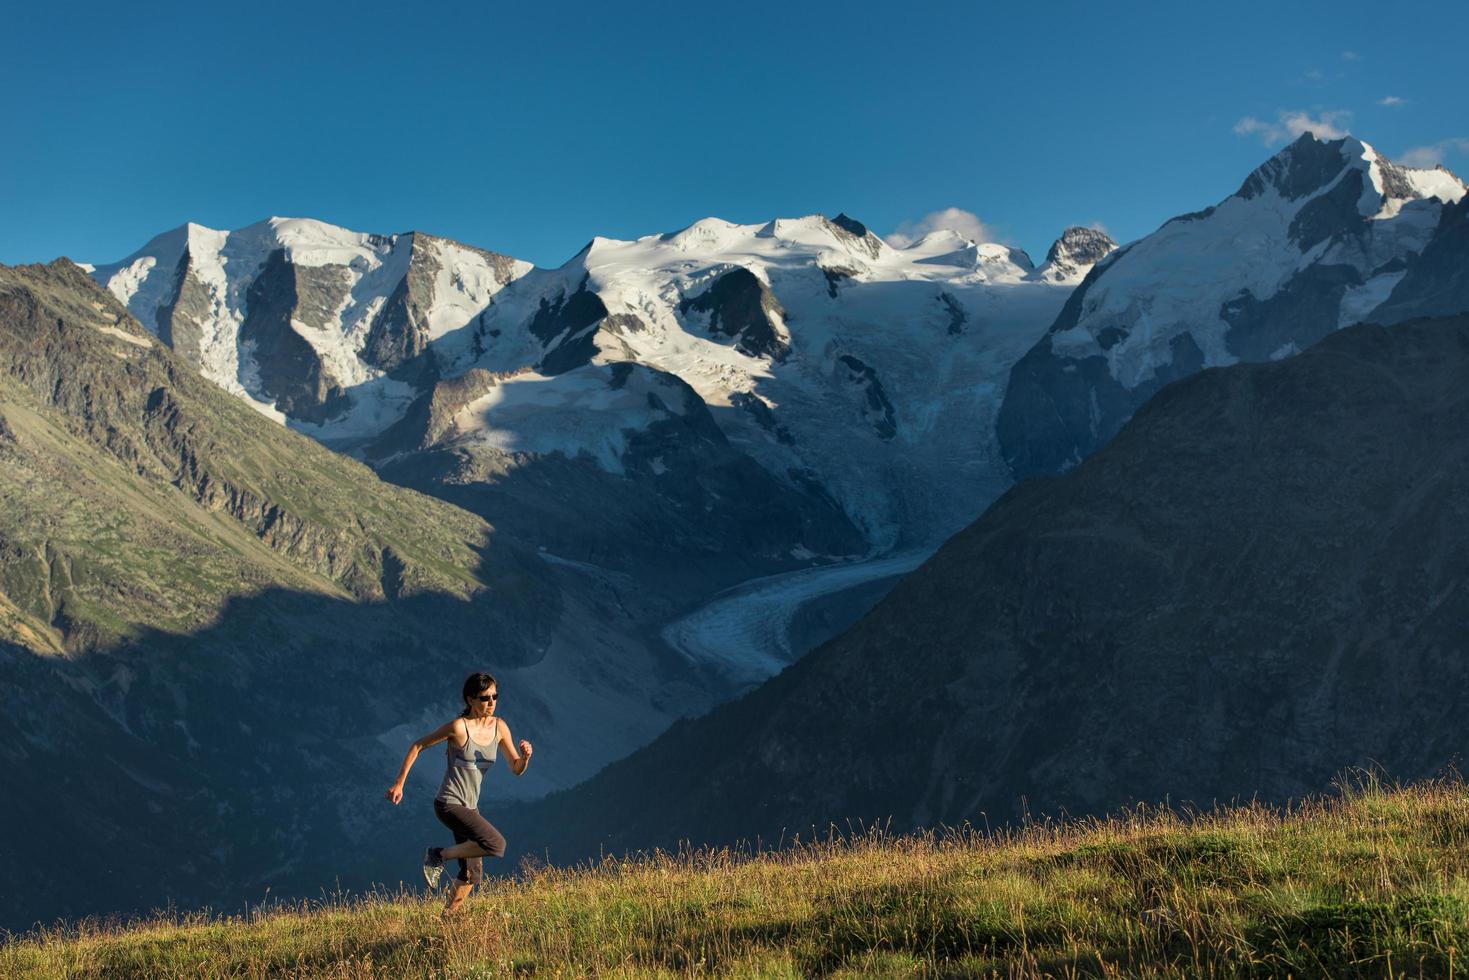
(291, 372)
(566, 327)
(740, 306)
(1435, 283)
(877, 409)
(400, 331)
(1077, 249)
(431, 416)
(181, 321)
(855, 235)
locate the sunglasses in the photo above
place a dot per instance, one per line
(489, 697)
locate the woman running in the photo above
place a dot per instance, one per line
(473, 738)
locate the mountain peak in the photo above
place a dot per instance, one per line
(1073, 254)
(848, 223)
(1080, 245)
(1302, 168)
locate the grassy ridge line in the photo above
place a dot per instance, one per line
(1373, 882)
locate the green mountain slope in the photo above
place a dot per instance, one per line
(137, 494)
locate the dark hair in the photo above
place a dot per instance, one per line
(474, 684)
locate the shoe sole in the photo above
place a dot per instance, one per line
(432, 873)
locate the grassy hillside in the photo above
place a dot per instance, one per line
(1373, 882)
(136, 495)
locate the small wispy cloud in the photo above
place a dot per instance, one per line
(1350, 56)
(1098, 226)
(966, 223)
(1434, 153)
(1331, 124)
(1391, 100)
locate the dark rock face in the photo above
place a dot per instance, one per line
(752, 403)
(398, 339)
(431, 415)
(855, 234)
(1436, 283)
(1297, 171)
(1079, 246)
(1054, 409)
(877, 408)
(180, 319)
(399, 333)
(292, 375)
(1262, 580)
(834, 277)
(1305, 310)
(740, 306)
(850, 225)
(1329, 215)
(624, 323)
(569, 322)
(957, 316)
(1063, 408)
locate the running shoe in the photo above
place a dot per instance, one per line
(433, 866)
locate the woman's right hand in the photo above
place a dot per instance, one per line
(394, 794)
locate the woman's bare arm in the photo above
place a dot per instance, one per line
(446, 730)
(517, 757)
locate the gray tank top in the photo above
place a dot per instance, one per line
(467, 767)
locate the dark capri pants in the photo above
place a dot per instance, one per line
(467, 825)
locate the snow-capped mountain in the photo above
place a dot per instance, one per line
(832, 359)
(309, 321)
(1319, 237)
(848, 370)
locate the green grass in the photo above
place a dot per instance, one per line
(1373, 882)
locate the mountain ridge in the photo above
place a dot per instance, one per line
(1316, 238)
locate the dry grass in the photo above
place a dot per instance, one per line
(1372, 882)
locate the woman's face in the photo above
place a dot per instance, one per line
(482, 705)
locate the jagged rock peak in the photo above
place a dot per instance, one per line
(1302, 168)
(1080, 246)
(848, 223)
(1309, 165)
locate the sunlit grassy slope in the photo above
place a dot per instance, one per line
(1371, 882)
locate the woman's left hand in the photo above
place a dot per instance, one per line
(525, 748)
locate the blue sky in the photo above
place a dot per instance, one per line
(529, 128)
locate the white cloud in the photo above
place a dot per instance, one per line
(1350, 56)
(1290, 123)
(1434, 153)
(1098, 226)
(1391, 100)
(966, 223)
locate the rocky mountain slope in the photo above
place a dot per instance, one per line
(1259, 581)
(1324, 234)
